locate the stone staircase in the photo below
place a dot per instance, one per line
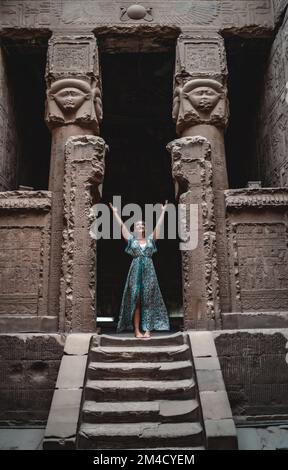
(140, 394)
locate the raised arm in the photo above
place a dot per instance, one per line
(125, 231)
(156, 231)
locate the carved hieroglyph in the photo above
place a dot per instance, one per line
(84, 173)
(200, 55)
(72, 54)
(192, 174)
(200, 101)
(24, 256)
(258, 235)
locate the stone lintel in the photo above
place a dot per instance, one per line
(234, 17)
(244, 320)
(28, 323)
(256, 197)
(36, 200)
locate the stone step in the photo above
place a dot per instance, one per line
(139, 435)
(139, 370)
(139, 390)
(140, 354)
(122, 341)
(164, 411)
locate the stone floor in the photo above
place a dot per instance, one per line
(21, 439)
(270, 438)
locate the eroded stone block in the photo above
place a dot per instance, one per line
(221, 434)
(63, 416)
(215, 405)
(71, 372)
(77, 344)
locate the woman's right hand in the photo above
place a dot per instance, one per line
(114, 209)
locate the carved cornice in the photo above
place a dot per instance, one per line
(29, 200)
(259, 198)
(232, 15)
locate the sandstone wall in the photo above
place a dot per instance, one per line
(28, 371)
(272, 145)
(255, 370)
(25, 224)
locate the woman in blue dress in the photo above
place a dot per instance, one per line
(142, 307)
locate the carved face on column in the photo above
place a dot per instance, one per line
(70, 99)
(199, 101)
(74, 101)
(204, 98)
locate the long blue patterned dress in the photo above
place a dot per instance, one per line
(142, 280)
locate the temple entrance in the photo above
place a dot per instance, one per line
(137, 98)
(29, 138)
(246, 61)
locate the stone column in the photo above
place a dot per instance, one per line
(84, 173)
(73, 108)
(192, 173)
(200, 108)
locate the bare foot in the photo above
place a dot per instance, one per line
(147, 334)
(138, 334)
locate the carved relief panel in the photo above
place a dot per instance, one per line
(199, 55)
(24, 252)
(65, 14)
(262, 262)
(258, 249)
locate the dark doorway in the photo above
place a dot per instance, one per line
(137, 98)
(246, 60)
(26, 61)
